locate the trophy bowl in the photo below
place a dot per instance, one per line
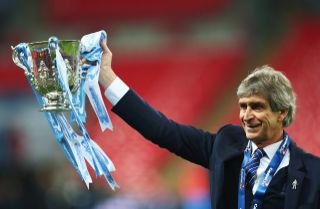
(43, 70)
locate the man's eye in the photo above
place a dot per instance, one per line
(243, 107)
(256, 106)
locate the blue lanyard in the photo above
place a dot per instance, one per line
(267, 176)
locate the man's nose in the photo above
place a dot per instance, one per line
(248, 115)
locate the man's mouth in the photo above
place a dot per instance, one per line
(252, 126)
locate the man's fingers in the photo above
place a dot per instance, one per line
(104, 47)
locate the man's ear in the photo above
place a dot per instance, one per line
(283, 114)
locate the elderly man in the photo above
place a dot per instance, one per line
(256, 165)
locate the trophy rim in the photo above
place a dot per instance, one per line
(44, 42)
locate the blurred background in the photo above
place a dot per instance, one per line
(184, 57)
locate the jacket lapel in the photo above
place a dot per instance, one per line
(234, 151)
(295, 177)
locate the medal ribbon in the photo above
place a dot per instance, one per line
(266, 178)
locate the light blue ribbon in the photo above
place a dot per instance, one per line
(91, 51)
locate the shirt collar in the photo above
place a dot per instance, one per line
(270, 150)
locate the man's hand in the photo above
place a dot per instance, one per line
(107, 75)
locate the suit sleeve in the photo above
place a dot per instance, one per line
(187, 142)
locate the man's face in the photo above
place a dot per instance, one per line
(260, 123)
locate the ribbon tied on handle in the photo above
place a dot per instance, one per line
(77, 148)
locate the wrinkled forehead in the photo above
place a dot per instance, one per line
(253, 98)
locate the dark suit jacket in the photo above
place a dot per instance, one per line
(222, 154)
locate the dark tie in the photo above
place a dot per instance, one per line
(252, 166)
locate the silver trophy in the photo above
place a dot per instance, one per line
(43, 75)
(60, 82)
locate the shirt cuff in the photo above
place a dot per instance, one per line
(116, 91)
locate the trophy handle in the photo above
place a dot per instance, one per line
(15, 58)
(20, 57)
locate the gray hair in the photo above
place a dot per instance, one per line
(274, 86)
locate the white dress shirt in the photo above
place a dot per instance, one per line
(264, 161)
(116, 90)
